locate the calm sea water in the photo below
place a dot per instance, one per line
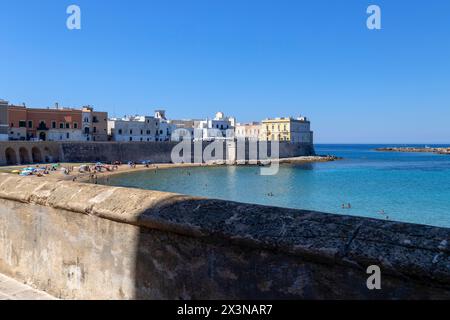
(409, 187)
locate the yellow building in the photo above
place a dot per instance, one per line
(287, 129)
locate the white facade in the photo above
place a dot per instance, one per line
(301, 131)
(165, 129)
(220, 127)
(178, 133)
(134, 129)
(65, 135)
(4, 120)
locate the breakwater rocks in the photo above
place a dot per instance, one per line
(414, 149)
(294, 160)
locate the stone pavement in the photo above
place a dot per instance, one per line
(11, 289)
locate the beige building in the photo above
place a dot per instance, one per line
(4, 123)
(251, 131)
(296, 130)
(94, 125)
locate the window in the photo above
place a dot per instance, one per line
(75, 125)
(61, 125)
(95, 129)
(53, 124)
(67, 135)
(142, 132)
(42, 125)
(131, 138)
(67, 125)
(120, 131)
(86, 130)
(30, 124)
(131, 131)
(22, 124)
(148, 132)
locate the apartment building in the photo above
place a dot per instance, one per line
(134, 129)
(221, 127)
(95, 125)
(3, 120)
(296, 130)
(250, 131)
(49, 124)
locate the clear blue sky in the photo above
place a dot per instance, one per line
(249, 58)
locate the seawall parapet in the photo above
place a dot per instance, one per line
(81, 241)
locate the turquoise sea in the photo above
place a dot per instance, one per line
(409, 187)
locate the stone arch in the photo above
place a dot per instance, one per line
(24, 156)
(48, 157)
(11, 157)
(36, 154)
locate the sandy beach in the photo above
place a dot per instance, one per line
(90, 177)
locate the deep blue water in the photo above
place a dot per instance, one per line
(410, 187)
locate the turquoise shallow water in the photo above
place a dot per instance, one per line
(409, 187)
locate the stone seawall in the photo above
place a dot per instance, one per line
(80, 241)
(13, 152)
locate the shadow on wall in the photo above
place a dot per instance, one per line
(211, 249)
(21, 155)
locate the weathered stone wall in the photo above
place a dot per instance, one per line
(85, 241)
(22, 152)
(160, 152)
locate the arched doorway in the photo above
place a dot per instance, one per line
(36, 155)
(42, 136)
(11, 158)
(24, 156)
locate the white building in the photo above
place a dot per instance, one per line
(65, 135)
(220, 127)
(182, 129)
(134, 128)
(165, 130)
(4, 120)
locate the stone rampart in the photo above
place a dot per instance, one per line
(23, 152)
(81, 241)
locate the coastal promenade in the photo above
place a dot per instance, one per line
(11, 289)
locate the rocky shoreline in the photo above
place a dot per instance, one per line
(413, 149)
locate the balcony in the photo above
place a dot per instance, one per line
(42, 127)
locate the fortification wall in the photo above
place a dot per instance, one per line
(85, 241)
(15, 152)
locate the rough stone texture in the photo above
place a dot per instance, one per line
(89, 241)
(29, 151)
(158, 152)
(11, 289)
